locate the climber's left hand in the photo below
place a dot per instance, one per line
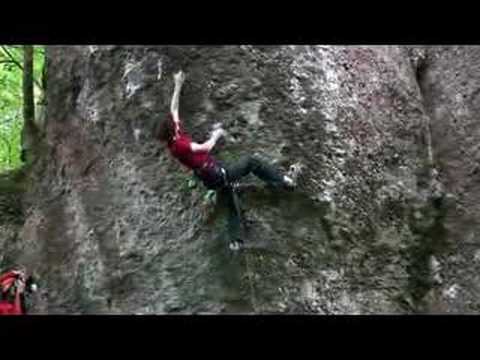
(217, 125)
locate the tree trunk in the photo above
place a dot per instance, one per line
(29, 132)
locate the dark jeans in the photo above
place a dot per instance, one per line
(234, 172)
(253, 165)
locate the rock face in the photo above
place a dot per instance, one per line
(375, 227)
(450, 83)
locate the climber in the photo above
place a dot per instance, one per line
(213, 174)
(13, 286)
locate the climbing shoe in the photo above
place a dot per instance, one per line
(291, 179)
(289, 182)
(235, 245)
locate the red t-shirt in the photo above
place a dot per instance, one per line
(10, 309)
(7, 279)
(181, 149)
(6, 308)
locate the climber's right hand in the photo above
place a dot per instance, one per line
(179, 77)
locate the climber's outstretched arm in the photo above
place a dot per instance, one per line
(179, 78)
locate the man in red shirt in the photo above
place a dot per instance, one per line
(12, 292)
(197, 157)
(12, 281)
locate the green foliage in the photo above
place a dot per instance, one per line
(11, 112)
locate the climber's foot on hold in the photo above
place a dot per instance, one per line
(290, 180)
(236, 245)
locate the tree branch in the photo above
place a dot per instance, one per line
(13, 60)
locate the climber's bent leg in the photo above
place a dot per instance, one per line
(251, 164)
(233, 224)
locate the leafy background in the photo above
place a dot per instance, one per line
(11, 101)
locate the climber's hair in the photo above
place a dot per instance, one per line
(165, 131)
